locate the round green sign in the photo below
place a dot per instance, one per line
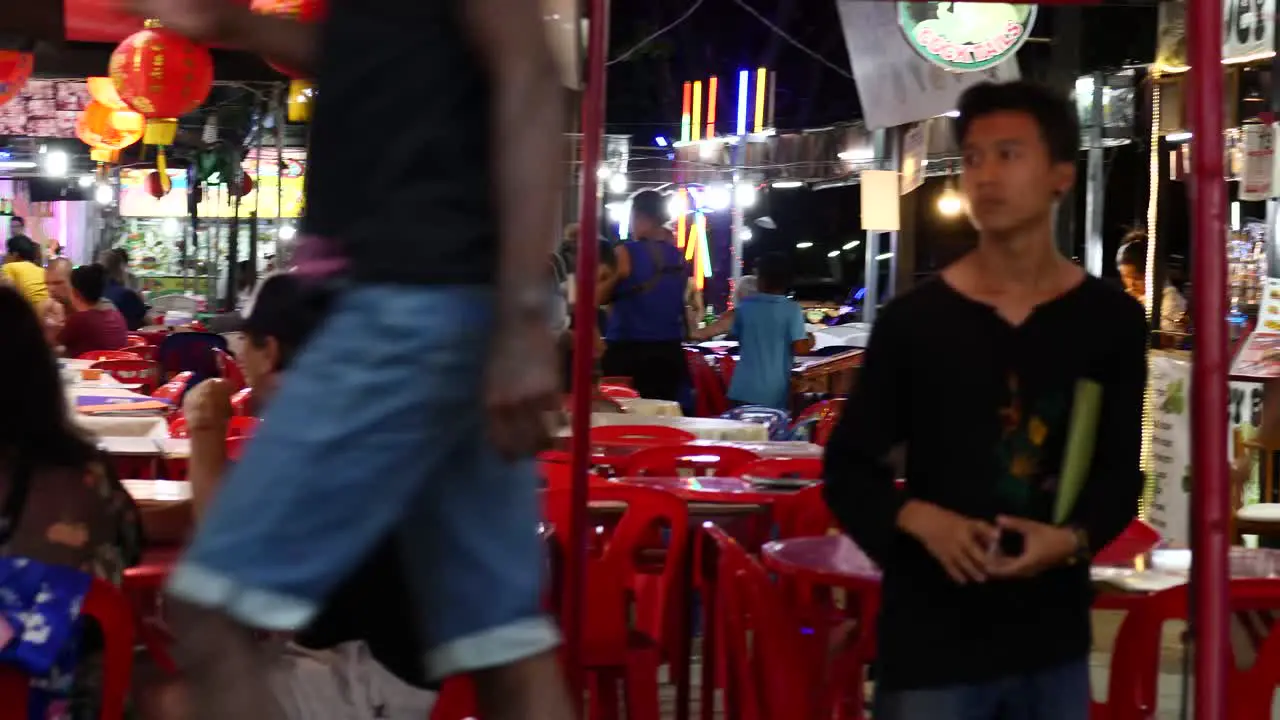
(965, 36)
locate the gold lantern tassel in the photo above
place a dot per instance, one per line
(162, 167)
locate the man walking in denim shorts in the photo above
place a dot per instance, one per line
(434, 173)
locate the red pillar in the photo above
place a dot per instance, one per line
(584, 339)
(1210, 486)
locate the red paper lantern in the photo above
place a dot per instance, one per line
(15, 70)
(306, 11)
(156, 185)
(162, 76)
(246, 186)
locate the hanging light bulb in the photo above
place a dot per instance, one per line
(950, 203)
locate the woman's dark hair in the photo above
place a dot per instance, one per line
(1133, 250)
(34, 428)
(287, 309)
(89, 281)
(773, 273)
(24, 247)
(1055, 115)
(651, 204)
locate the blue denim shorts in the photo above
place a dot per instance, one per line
(379, 427)
(1056, 693)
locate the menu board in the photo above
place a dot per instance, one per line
(1171, 446)
(45, 109)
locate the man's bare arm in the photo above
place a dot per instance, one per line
(527, 123)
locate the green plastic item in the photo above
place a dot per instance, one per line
(1077, 456)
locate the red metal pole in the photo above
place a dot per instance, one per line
(1209, 491)
(574, 599)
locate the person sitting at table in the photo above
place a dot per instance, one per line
(770, 331)
(119, 290)
(53, 312)
(95, 323)
(1131, 261)
(22, 270)
(369, 616)
(59, 496)
(647, 324)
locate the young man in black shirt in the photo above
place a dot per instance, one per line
(986, 603)
(418, 406)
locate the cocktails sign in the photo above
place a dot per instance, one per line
(965, 36)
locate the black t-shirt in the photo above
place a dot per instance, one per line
(983, 409)
(399, 168)
(374, 605)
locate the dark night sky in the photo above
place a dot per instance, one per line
(721, 38)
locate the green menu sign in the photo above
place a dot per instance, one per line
(965, 36)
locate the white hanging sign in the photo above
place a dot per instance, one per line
(1248, 29)
(1257, 160)
(1170, 385)
(914, 156)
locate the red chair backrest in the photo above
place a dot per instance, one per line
(619, 381)
(727, 365)
(709, 392)
(172, 390)
(229, 369)
(559, 476)
(133, 372)
(769, 675)
(242, 402)
(803, 514)
(1137, 539)
(107, 606)
(827, 413)
(785, 469)
(100, 355)
(618, 392)
(640, 435)
(136, 340)
(671, 460)
(612, 562)
(146, 352)
(240, 427)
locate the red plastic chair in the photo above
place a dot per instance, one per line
(803, 514)
(824, 415)
(559, 476)
(172, 391)
(769, 674)
(618, 392)
(708, 390)
(674, 460)
(229, 369)
(1135, 660)
(613, 649)
(619, 381)
(136, 340)
(239, 427)
(785, 469)
(133, 372)
(146, 352)
(101, 355)
(640, 435)
(242, 402)
(153, 337)
(726, 366)
(109, 608)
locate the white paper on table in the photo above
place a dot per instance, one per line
(136, 446)
(107, 426)
(158, 490)
(1146, 581)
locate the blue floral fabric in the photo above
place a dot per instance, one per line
(39, 623)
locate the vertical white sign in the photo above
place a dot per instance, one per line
(1257, 158)
(915, 153)
(1248, 28)
(1170, 447)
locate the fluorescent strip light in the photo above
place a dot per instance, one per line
(803, 245)
(884, 256)
(852, 245)
(16, 165)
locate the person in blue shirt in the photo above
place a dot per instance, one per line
(770, 331)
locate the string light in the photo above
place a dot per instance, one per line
(1148, 400)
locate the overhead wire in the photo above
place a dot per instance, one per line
(655, 35)
(798, 45)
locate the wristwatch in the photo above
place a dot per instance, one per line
(1082, 552)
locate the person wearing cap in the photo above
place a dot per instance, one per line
(368, 615)
(22, 270)
(647, 325)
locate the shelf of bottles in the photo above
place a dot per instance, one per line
(1246, 267)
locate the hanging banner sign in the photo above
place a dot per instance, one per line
(965, 36)
(1170, 385)
(896, 85)
(915, 153)
(1248, 29)
(1257, 158)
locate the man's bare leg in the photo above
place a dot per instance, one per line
(530, 689)
(224, 666)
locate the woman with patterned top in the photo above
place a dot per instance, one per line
(72, 510)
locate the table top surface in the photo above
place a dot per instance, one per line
(158, 491)
(702, 427)
(731, 490)
(836, 556)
